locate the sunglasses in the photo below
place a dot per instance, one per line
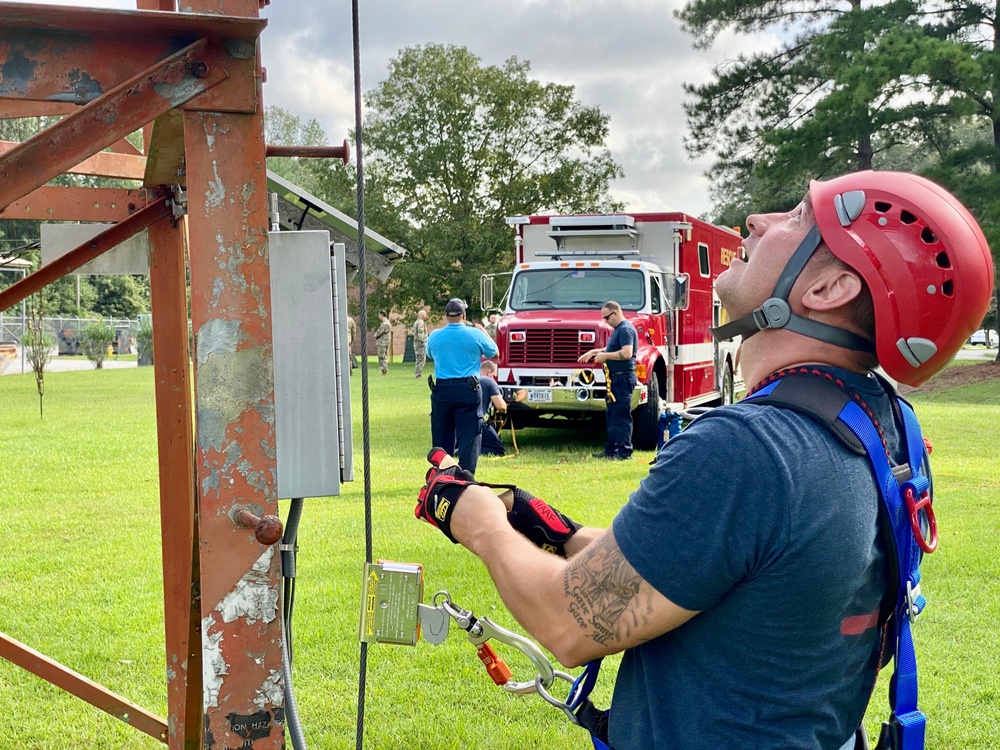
(607, 316)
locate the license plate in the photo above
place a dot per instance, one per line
(539, 397)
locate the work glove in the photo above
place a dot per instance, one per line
(543, 525)
(442, 487)
(445, 481)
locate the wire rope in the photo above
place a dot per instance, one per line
(363, 302)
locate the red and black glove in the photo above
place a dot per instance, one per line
(436, 501)
(543, 525)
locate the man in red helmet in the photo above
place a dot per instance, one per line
(746, 580)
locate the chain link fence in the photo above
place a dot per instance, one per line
(66, 332)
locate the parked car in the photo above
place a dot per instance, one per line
(979, 338)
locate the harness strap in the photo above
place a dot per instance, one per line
(588, 716)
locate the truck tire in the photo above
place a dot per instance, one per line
(646, 418)
(728, 387)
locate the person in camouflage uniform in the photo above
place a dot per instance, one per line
(352, 333)
(420, 343)
(383, 335)
(491, 326)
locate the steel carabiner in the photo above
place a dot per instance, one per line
(480, 630)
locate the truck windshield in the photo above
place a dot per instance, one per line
(577, 288)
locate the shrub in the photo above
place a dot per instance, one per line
(95, 341)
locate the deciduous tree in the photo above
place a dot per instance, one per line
(454, 147)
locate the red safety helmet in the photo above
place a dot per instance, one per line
(923, 257)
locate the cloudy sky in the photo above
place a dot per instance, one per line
(628, 57)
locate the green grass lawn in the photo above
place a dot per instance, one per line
(80, 578)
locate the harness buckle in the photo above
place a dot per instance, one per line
(915, 601)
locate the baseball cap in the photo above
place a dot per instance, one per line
(455, 307)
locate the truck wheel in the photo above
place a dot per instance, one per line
(728, 390)
(646, 418)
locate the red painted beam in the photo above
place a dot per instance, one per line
(83, 688)
(234, 383)
(15, 108)
(106, 205)
(178, 498)
(104, 164)
(220, 20)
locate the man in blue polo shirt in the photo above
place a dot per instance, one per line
(456, 408)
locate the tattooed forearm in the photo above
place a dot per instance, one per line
(603, 591)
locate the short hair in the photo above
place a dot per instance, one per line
(611, 305)
(488, 366)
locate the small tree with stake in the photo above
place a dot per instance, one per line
(38, 347)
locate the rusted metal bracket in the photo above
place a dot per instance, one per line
(104, 121)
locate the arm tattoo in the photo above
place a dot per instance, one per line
(603, 590)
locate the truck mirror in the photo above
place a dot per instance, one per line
(678, 291)
(486, 291)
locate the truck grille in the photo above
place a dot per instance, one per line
(547, 347)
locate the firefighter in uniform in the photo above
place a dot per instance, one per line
(383, 335)
(746, 579)
(618, 358)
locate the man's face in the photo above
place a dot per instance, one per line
(773, 238)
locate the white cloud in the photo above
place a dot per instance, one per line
(628, 57)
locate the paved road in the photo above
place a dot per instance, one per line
(64, 364)
(977, 352)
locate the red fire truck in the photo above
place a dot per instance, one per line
(661, 268)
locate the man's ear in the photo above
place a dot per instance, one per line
(832, 288)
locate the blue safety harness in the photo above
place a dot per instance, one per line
(906, 521)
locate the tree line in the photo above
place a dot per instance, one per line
(453, 147)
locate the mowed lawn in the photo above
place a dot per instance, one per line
(80, 574)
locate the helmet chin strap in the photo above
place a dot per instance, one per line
(777, 313)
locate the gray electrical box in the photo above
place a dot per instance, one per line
(311, 395)
(130, 257)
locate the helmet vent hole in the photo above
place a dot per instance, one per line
(948, 288)
(906, 217)
(942, 260)
(928, 236)
(882, 207)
